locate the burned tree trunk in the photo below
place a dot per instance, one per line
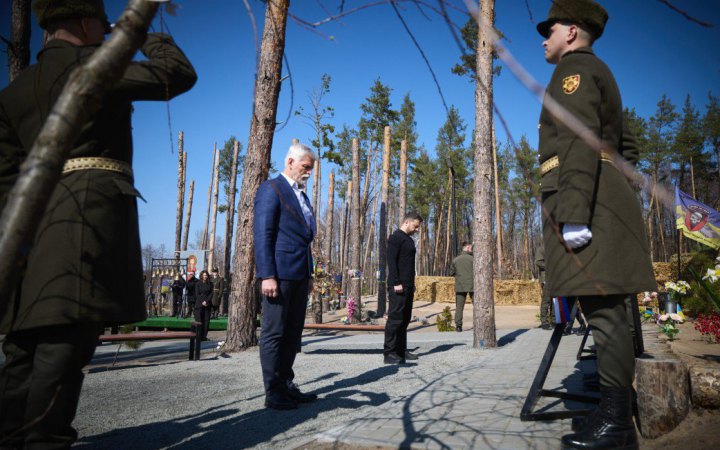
(329, 223)
(243, 295)
(180, 197)
(206, 229)
(186, 231)
(344, 228)
(19, 46)
(483, 301)
(382, 229)
(403, 180)
(81, 97)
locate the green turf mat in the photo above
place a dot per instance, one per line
(182, 324)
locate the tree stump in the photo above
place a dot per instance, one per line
(662, 394)
(705, 386)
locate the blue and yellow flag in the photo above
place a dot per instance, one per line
(697, 220)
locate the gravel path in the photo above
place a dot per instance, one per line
(217, 402)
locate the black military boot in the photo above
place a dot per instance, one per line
(611, 427)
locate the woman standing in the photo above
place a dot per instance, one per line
(203, 302)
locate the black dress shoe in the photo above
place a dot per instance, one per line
(393, 359)
(410, 356)
(280, 403)
(295, 394)
(458, 328)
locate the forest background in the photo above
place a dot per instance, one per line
(667, 67)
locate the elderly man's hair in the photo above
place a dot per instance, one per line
(298, 152)
(412, 215)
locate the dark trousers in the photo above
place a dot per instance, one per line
(399, 313)
(40, 384)
(283, 318)
(202, 314)
(460, 306)
(177, 304)
(607, 315)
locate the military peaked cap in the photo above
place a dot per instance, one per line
(586, 13)
(48, 11)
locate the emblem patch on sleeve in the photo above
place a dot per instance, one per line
(571, 83)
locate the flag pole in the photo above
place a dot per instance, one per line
(679, 249)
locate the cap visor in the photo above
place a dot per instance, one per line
(544, 28)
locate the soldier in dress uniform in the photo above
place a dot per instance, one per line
(591, 214)
(218, 291)
(84, 270)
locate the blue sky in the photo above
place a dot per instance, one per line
(651, 50)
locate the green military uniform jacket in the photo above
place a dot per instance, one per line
(462, 270)
(218, 290)
(85, 263)
(585, 190)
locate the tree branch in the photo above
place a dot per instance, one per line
(686, 15)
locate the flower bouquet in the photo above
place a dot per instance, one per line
(668, 324)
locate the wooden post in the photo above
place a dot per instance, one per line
(216, 182)
(483, 302)
(187, 215)
(663, 394)
(403, 180)
(355, 281)
(209, 203)
(180, 197)
(316, 195)
(383, 228)
(329, 222)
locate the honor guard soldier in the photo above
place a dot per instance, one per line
(591, 215)
(84, 270)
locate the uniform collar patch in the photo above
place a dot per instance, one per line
(571, 84)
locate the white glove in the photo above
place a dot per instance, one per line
(576, 235)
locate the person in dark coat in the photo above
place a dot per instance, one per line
(462, 269)
(84, 270)
(190, 293)
(401, 289)
(218, 291)
(177, 288)
(283, 229)
(591, 215)
(203, 302)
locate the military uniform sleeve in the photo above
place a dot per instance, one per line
(629, 147)
(576, 90)
(166, 74)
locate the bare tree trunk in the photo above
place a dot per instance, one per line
(243, 295)
(692, 177)
(180, 196)
(316, 196)
(19, 46)
(329, 222)
(344, 229)
(403, 180)
(383, 228)
(498, 213)
(650, 220)
(366, 190)
(213, 225)
(438, 227)
(187, 216)
(230, 212)
(206, 229)
(448, 230)
(355, 281)
(81, 97)
(483, 302)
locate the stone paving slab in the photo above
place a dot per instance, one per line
(477, 407)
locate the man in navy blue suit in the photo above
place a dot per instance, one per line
(283, 230)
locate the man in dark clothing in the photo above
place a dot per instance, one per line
(591, 213)
(190, 293)
(218, 290)
(177, 292)
(84, 270)
(401, 288)
(546, 312)
(462, 270)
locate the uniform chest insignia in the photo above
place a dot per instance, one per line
(571, 84)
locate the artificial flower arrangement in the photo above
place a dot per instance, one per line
(668, 324)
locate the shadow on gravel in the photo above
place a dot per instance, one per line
(510, 337)
(441, 348)
(227, 427)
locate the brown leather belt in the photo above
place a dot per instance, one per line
(554, 162)
(97, 163)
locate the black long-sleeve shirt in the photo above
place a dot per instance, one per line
(401, 260)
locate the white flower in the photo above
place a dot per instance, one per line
(712, 275)
(220, 345)
(676, 317)
(663, 318)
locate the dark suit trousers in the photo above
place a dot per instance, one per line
(283, 318)
(399, 313)
(460, 306)
(40, 382)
